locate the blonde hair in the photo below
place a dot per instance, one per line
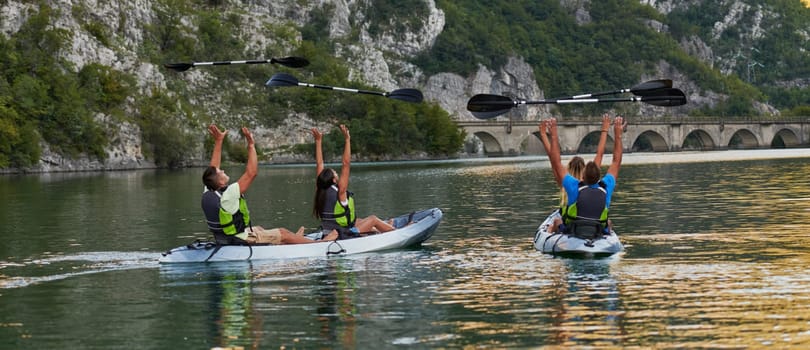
(576, 167)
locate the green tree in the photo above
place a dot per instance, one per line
(160, 118)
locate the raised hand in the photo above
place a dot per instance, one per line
(605, 122)
(552, 127)
(618, 125)
(248, 136)
(218, 135)
(317, 134)
(543, 127)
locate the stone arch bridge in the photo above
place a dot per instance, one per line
(661, 135)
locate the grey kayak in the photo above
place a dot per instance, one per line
(424, 223)
(568, 245)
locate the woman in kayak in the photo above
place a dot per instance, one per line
(334, 204)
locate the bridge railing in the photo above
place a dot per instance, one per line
(655, 120)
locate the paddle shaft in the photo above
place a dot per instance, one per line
(647, 88)
(326, 87)
(621, 91)
(222, 63)
(597, 100)
(509, 104)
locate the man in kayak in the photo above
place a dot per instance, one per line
(225, 207)
(333, 203)
(588, 198)
(576, 165)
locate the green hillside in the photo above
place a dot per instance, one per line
(618, 45)
(45, 97)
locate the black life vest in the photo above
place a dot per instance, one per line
(334, 215)
(221, 223)
(587, 217)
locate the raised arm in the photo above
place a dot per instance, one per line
(618, 128)
(555, 157)
(252, 166)
(219, 136)
(544, 128)
(600, 149)
(318, 151)
(343, 182)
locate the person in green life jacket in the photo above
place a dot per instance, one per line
(588, 198)
(334, 204)
(224, 204)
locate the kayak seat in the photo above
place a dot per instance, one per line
(585, 228)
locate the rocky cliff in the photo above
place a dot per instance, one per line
(380, 57)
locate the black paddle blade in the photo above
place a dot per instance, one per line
(292, 61)
(486, 106)
(282, 79)
(178, 67)
(650, 87)
(408, 95)
(665, 98)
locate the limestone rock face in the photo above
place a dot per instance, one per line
(379, 54)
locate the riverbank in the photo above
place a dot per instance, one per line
(628, 158)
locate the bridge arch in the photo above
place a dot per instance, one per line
(743, 139)
(698, 139)
(531, 144)
(590, 142)
(491, 144)
(650, 141)
(785, 138)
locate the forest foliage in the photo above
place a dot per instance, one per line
(44, 97)
(620, 43)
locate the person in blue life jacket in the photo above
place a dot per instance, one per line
(333, 203)
(576, 165)
(589, 197)
(225, 207)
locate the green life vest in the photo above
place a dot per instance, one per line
(220, 221)
(237, 223)
(345, 216)
(335, 215)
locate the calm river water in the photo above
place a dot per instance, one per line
(717, 256)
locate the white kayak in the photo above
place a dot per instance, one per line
(569, 245)
(424, 223)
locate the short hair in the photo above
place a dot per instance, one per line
(591, 174)
(209, 178)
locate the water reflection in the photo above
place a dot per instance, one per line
(236, 323)
(336, 311)
(716, 257)
(284, 303)
(588, 309)
(232, 318)
(500, 294)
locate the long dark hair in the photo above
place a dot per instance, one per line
(325, 180)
